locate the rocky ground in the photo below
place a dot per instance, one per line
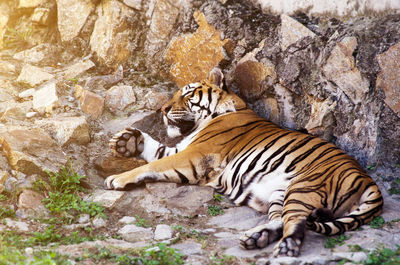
(70, 80)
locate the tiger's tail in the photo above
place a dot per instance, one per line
(321, 220)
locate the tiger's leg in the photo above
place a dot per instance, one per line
(178, 168)
(263, 235)
(133, 142)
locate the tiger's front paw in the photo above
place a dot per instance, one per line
(288, 246)
(127, 143)
(114, 182)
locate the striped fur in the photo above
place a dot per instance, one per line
(300, 180)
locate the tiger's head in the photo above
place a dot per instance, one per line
(197, 103)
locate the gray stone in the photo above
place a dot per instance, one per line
(292, 31)
(17, 225)
(30, 205)
(119, 97)
(189, 248)
(110, 38)
(67, 130)
(389, 77)
(31, 151)
(84, 218)
(127, 220)
(7, 68)
(136, 4)
(79, 250)
(239, 218)
(33, 76)
(133, 233)
(41, 54)
(76, 69)
(106, 198)
(27, 93)
(341, 69)
(99, 222)
(187, 200)
(163, 232)
(239, 252)
(45, 98)
(356, 257)
(72, 15)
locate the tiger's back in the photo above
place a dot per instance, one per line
(298, 179)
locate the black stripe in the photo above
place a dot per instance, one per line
(193, 170)
(182, 177)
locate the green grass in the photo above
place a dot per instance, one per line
(6, 211)
(183, 233)
(377, 222)
(218, 197)
(214, 210)
(140, 222)
(334, 241)
(17, 39)
(62, 191)
(222, 260)
(159, 254)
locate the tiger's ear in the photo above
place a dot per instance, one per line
(216, 77)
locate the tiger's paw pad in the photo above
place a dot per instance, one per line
(261, 236)
(288, 246)
(127, 143)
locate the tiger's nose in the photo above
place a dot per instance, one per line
(165, 109)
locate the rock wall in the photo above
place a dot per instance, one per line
(331, 76)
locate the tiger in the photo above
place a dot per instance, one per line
(301, 181)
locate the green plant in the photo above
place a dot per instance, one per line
(332, 241)
(217, 197)
(222, 260)
(3, 197)
(17, 39)
(355, 248)
(160, 254)
(384, 256)
(142, 222)
(377, 222)
(183, 233)
(6, 211)
(371, 167)
(62, 194)
(214, 210)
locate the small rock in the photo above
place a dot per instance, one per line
(91, 103)
(189, 248)
(127, 220)
(356, 257)
(119, 97)
(133, 233)
(17, 225)
(10, 184)
(292, 31)
(84, 218)
(45, 99)
(27, 93)
(44, 54)
(136, 4)
(285, 261)
(77, 69)
(67, 130)
(262, 261)
(163, 232)
(41, 16)
(99, 222)
(106, 198)
(31, 151)
(29, 251)
(72, 15)
(33, 75)
(73, 227)
(30, 204)
(389, 77)
(29, 3)
(155, 100)
(31, 114)
(239, 218)
(7, 68)
(109, 164)
(342, 70)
